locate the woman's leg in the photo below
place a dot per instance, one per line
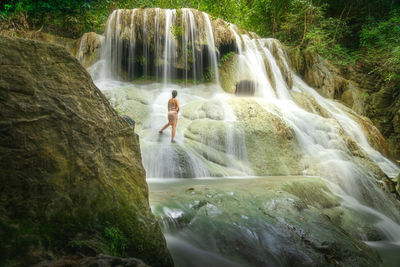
(173, 130)
(165, 127)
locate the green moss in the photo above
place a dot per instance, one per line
(110, 229)
(115, 241)
(314, 193)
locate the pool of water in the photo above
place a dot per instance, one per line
(261, 221)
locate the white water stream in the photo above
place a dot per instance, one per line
(211, 140)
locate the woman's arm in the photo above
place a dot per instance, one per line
(177, 105)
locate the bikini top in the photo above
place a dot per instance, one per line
(172, 105)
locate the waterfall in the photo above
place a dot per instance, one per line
(157, 37)
(283, 128)
(145, 54)
(158, 44)
(169, 49)
(254, 66)
(190, 36)
(132, 41)
(211, 47)
(143, 42)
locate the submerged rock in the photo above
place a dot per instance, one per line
(232, 135)
(72, 180)
(271, 221)
(97, 261)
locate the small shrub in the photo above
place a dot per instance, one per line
(115, 240)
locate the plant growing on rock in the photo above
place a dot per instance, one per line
(225, 58)
(176, 31)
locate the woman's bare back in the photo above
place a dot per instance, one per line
(172, 105)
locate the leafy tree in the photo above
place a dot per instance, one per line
(380, 47)
(337, 29)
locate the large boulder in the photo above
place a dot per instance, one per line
(86, 49)
(72, 180)
(71, 45)
(89, 49)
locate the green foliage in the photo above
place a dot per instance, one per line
(364, 95)
(115, 240)
(83, 224)
(225, 57)
(303, 24)
(7, 8)
(208, 75)
(340, 30)
(176, 31)
(71, 18)
(380, 43)
(381, 34)
(118, 111)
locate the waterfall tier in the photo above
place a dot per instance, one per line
(164, 44)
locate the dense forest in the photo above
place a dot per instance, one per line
(346, 32)
(362, 33)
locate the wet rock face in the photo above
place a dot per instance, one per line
(383, 108)
(257, 141)
(357, 90)
(89, 49)
(228, 74)
(72, 180)
(327, 80)
(245, 88)
(397, 180)
(280, 54)
(271, 143)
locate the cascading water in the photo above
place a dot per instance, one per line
(160, 44)
(189, 40)
(211, 47)
(287, 128)
(169, 46)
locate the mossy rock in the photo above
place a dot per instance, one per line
(72, 180)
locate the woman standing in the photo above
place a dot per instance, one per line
(173, 109)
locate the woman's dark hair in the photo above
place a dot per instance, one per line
(174, 93)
